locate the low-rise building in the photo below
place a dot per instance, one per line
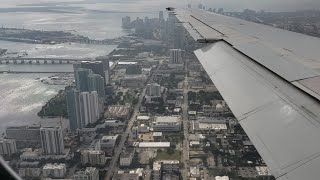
(195, 171)
(211, 123)
(143, 118)
(133, 81)
(221, 178)
(29, 169)
(8, 147)
(263, 171)
(54, 170)
(29, 154)
(108, 141)
(94, 158)
(164, 165)
(135, 132)
(118, 112)
(142, 128)
(195, 144)
(128, 176)
(90, 173)
(153, 144)
(167, 124)
(114, 123)
(157, 136)
(126, 157)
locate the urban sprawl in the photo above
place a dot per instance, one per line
(153, 114)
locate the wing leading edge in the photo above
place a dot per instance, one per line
(280, 118)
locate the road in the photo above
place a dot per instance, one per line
(124, 136)
(185, 152)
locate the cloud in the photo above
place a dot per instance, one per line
(150, 5)
(269, 5)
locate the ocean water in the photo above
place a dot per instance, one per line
(23, 95)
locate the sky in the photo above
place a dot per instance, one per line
(146, 5)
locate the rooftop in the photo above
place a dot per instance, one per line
(108, 138)
(167, 119)
(157, 134)
(221, 178)
(263, 171)
(54, 166)
(204, 126)
(143, 118)
(154, 144)
(126, 63)
(127, 153)
(128, 176)
(157, 164)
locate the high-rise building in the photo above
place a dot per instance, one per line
(52, 140)
(101, 67)
(74, 110)
(106, 64)
(90, 173)
(176, 56)
(126, 22)
(94, 106)
(179, 36)
(54, 170)
(8, 147)
(161, 17)
(82, 79)
(154, 90)
(97, 67)
(107, 76)
(85, 108)
(96, 83)
(24, 133)
(89, 107)
(92, 157)
(170, 27)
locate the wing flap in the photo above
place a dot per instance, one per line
(290, 55)
(279, 119)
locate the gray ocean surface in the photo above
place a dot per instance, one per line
(23, 95)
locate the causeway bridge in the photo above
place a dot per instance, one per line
(26, 60)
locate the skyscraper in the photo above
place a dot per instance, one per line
(52, 140)
(97, 67)
(85, 108)
(179, 36)
(175, 56)
(161, 17)
(126, 22)
(94, 106)
(73, 104)
(82, 79)
(96, 83)
(89, 108)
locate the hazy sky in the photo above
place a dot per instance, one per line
(138, 5)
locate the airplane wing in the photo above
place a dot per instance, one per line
(270, 79)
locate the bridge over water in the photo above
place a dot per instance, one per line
(27, 60)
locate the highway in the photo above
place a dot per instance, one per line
(124, 136)
(185, 151)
